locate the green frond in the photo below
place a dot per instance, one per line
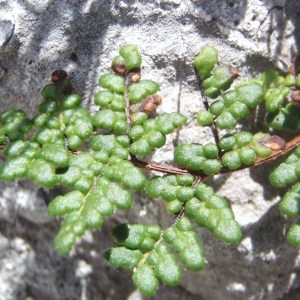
(97, 157)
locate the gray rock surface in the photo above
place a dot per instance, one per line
(82, 36)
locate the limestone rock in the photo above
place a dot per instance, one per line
(37, 37)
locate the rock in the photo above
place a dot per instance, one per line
(2, 72)
(6, 33)
(82, 38)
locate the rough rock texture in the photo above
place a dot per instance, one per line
(82, 36)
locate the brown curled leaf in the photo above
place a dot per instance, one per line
(274, 143)
(134, 76)
(234, 72)
(119, 69)
(59, 75)
(148, 105)
(295, 96)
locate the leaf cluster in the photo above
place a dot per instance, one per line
(99, 158)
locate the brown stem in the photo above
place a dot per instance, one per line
(213, 126)
(290, 145)
(127, 112)
(158, 167)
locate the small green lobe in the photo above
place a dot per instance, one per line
(294, 235)
(56, 154)
(131, 55)
(121, 257)
(139, 91)
(64, 242)
(205, 118)
(43, 173)
(145, 280)
(50, 92)
(205, 61)
(113, 82)
(65, 204)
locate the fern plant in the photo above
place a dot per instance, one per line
(99, 157)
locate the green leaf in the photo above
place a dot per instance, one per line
(55, 153)
(250, 93)
(168, 271)
(140, 148)
(290, 204)
(239, 110)
(210, 150)
(190, 156)
(48, 135)
(205, 118)
(227, 142)
(294, 235)
(136, 132)
(156, 139)
(192, 257)
(131, 55)
(113, 82)
(146, 281)
(132, 177)
(283, 175)
(226, 120)
(105, 119)
(14, 168)
(103, 98)
(213, 211)
(64, 242)
(50, 92)
(137, 236)
(61, 205)
(131, 236)
(274, 98)
(248, 156)
(206, 61)
(71, 101)
(211, 167)
(229, 231)
(43, 173)
(120, 197)
(121, 257)
(170, 187)
(231, 160)
(286, 118)
(139, 91)
(186, 243)
(174, 206)
(204, 192)
(243, 138)
(220, 80)
(216, 107)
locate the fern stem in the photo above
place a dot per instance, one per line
(213, 126)
(152, 166)
(127, 111)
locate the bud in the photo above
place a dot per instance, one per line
(59, 75)
(119, 69)
(134, 76)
